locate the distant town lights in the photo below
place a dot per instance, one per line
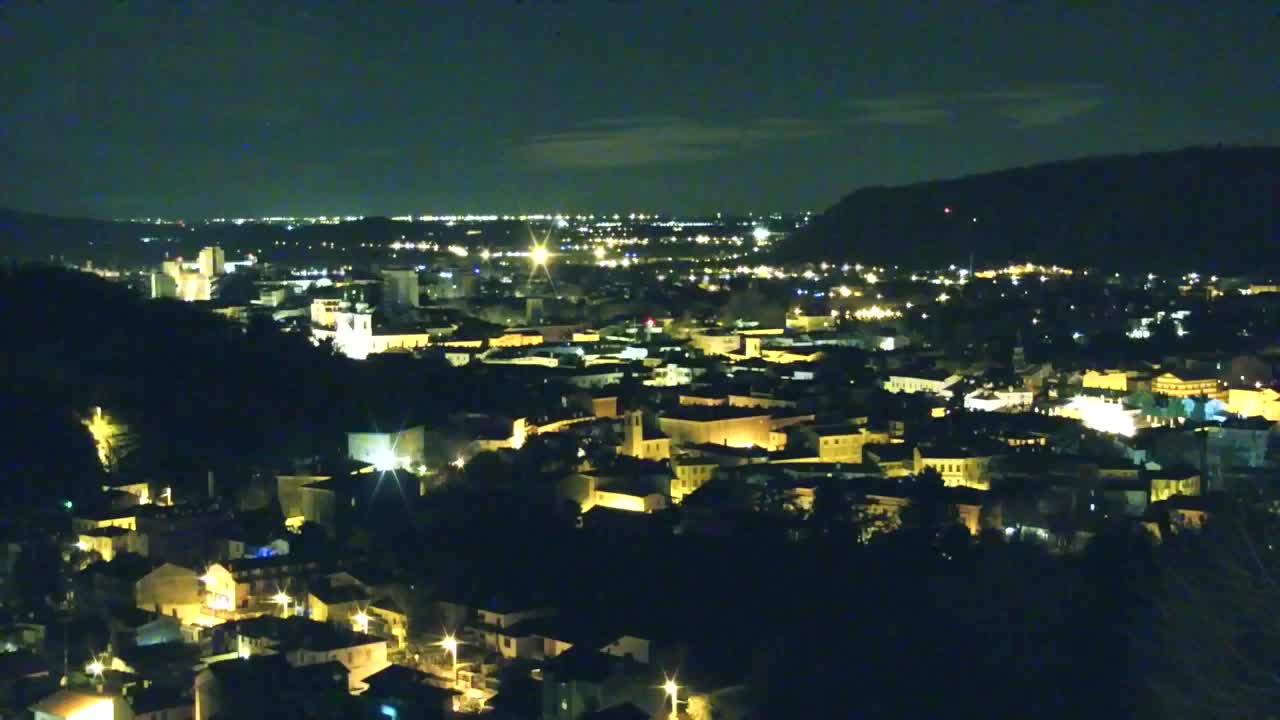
(761, 233)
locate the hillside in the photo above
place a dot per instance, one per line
(1205, 209)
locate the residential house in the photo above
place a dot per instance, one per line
(402, 693)
(68, 704)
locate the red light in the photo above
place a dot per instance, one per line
(648, 322)
(946, 210)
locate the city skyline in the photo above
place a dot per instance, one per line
(206, 111)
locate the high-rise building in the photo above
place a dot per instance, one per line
(212, 261)
(400, 287)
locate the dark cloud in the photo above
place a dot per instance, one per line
(1020, 108)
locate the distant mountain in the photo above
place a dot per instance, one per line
(1204, 209)
(31, 236)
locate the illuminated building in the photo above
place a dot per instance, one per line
(959, 467)
(354, 335)
(1170, 482)
(400, 287)
(305, 643)
(1102, 414)
(689, 476)
(392, 618)
(714, 341)
(324, 311)
(998, 400)
(874, 313)
(1175, 386)
(111, 541)
(212, 261)
(1116, 380)
(797, 320)
(222, 591)
(388, 450)
(934, 382)
(337, 604)
(634, 443)
(1264, 402)
(67, 704)
(162, 286)
(641, 494)
(734, 427)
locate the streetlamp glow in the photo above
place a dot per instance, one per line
(673, 691)
(283, 600)
(95, 668)
(539, 255)
(362, 622)
(450, 645)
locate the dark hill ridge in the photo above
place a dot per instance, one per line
(1204, 209)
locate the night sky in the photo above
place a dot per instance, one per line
(191, 109)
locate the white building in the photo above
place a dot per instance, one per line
(933, 383)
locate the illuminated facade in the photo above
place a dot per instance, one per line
(634, 443)
(1102, 414)
(212, 261)
(324, 312)
(1264, 402)
(1117, 380)
(353, 335)
(800, 322)
(1175, 386)
(388, 450)
(717, 428)
(958, 468)
(689, 476)
(67, 704)
(933, 383)
(1165, 486)
(715, 341)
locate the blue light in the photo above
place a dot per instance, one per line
(388, 711)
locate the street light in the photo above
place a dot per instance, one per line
(283, 600)
(539, 255)
(673, 691)
(95, 668)
(362, 622)
(450, 645)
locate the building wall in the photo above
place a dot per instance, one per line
(221, 591)
(168, 589)
(400, 287)
(324, 311)
(841, 448)
(360, 660)
(1165, 488)
(971, 472)
(690, 477)
(1104, 380)
(628, 502)
(408, 445)
(1169, 384)
(1251, 403)
(734, 432)
(715, 343)
(908, 384)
